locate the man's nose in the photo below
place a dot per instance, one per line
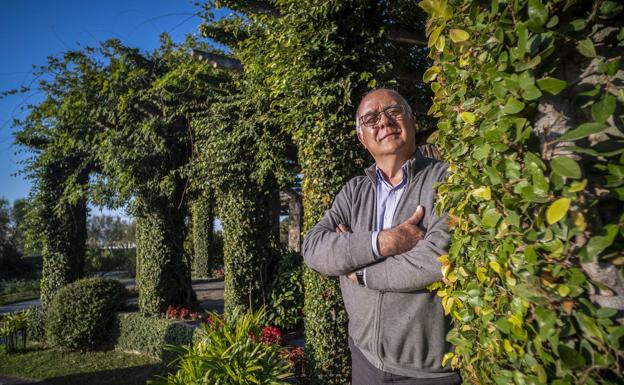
(385, 121)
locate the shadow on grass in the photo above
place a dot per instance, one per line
(136, 375)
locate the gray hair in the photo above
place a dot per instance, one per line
(394, 92)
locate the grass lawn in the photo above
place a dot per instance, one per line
(91, 368)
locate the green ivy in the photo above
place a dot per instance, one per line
(527, 95)
(202, 215)
(163, 268)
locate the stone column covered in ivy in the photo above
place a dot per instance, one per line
(203, 215)
(63, 232)
(529, 98)
(163, 269)
(247, 246)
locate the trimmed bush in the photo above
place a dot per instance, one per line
(80, 315)
(150, 335)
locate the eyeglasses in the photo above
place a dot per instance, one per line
(372, 118)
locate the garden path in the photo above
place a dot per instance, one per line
(209, 294)
(19, 381)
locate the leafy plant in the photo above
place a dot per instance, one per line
(285, 308)
(230, 352)
(527, 95)
(80, 315)
(13, 328)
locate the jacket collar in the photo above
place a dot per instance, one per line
(414, 164)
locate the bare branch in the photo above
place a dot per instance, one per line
(218, 61)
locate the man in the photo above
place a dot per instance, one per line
(383, 238)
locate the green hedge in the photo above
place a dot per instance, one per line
(80, 314)
(151, 335)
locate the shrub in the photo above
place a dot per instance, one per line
(13, 327)
(231, 352)
(286, 296)
(150, 335)
(81, 313)
(36, 324)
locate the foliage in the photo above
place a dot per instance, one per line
(14, 327)
(100, 260)
(150, 335)
(81, 313)
(285, 308)
(527, 94)
(203, 217)
(159, 254)
(233, 148)
(107, 231)
(36, 323)
(113, 127)
(231, 352)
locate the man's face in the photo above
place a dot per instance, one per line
(389, 135)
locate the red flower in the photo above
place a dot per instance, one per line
(271, 335)
(171, 312)
(195, 316)
(183, 313)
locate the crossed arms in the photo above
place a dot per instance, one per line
(409, 254)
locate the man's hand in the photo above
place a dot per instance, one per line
(403, 237)
(342, 228)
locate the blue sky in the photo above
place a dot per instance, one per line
(32, 30)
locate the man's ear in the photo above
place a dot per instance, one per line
(360, 138)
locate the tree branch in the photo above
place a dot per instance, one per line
(218, 61)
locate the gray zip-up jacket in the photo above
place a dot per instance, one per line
(395, 321)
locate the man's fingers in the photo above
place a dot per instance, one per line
(342, 228)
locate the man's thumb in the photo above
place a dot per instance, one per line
(418, 214)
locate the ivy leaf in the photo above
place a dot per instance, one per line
(557, 210)
(603, 109)
(467, 117)
(598, 243)
(589, 327)
(566, 167)
(583, 131)
(586, 48)
(531, 93)
(538, 14)
(513, 106)
(458, 35)
(484, 193)
(551, 85)
(490, 217)
(570, 358)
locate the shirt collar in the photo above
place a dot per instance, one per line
(383, 180)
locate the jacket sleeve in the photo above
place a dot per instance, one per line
(332, 253)
(415, 269)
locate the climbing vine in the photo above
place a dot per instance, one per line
(528, 97)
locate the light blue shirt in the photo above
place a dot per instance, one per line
(388, 198)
